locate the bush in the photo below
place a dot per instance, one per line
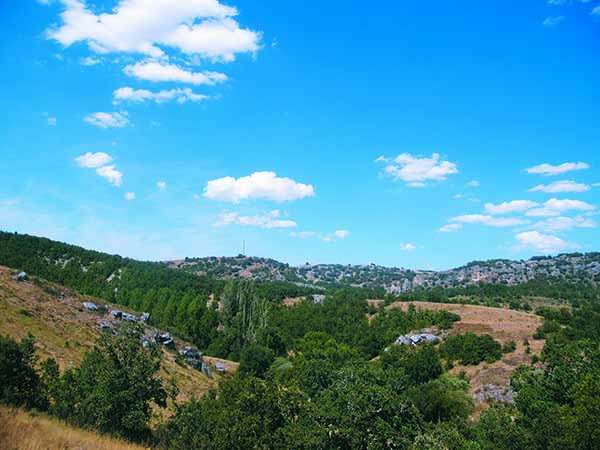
(20, 385)
(112, 389)
(471, 349)
(509, 347)
(256, 360)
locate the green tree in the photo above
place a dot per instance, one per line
(20, 385)
(113, 388)
(256, 360)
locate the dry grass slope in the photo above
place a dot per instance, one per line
(64, 331)
(20, 430)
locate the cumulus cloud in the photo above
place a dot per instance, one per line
(90, 61)
(341, 234)
(258, 185)
(128, 94)
(108, 120)
(269, 220)
(162, 72)
(93, 160)
(561, 223)
(111, 174)
(545, 243)
(325, 237)
(407, 247)
(129, 196)
(510, 207)
(101, 162)
(416, 171)
(549, 170)
(560, 186)
(161, 185)
(488, 220)
(552, 21)
(556, 207)
(451, 227)
(205, 28)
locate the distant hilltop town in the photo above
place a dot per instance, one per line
(566, 267)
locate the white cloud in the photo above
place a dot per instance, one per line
(407, 247)
(490, 221)
(259, 185)
(93, 160)
(51, 121)
(129, 196)
(545, 243)
(560, 186)
(325, 237)
(549, 169)
(451, 227)
(473, 184)
(553, 21)
(341, 234)
(161, 185)
(555, 207)
(196, 27)
(90, 61)
(108, 120)
(269, 220)
(163, 72)
(111, 174)
(127, 94)
(416, 171)
(510, 207)
(304, 234)
(561, 223)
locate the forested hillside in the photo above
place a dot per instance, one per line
(176, 300)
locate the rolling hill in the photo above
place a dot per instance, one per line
(569, 268)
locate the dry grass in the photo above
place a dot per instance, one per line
(504, 325)
(20, 430)
(64, 331)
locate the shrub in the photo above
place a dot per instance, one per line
(471, 349)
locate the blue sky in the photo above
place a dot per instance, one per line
(402, 133)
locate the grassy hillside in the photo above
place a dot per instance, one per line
(21, 430)
(65, 331)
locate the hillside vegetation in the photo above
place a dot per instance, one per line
(317, 373)
(545, 276)
(64, 331)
